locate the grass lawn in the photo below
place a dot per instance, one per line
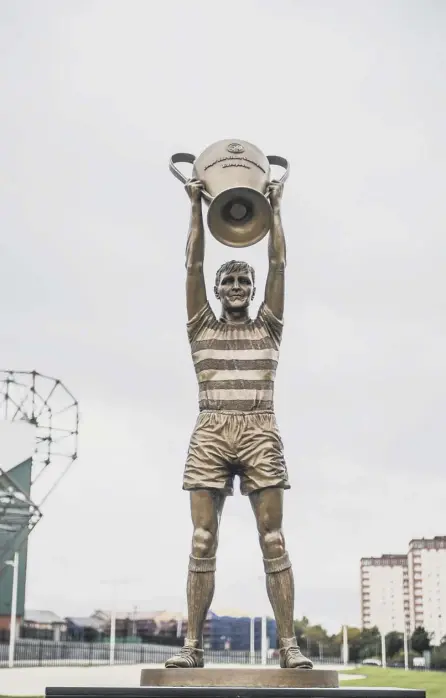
(433, 682)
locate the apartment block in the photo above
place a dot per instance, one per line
(427, 585)
(385, 593)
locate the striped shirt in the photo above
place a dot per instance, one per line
(235, 363)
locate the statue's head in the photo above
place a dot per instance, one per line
(234, 285)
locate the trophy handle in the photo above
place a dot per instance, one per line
(281, 162)
(185, 157)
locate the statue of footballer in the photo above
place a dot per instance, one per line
(236, 433)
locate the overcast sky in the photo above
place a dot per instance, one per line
(95, 97)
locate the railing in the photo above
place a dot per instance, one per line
(48, 653)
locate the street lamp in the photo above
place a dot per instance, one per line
(252, 630)
(14, 563)
(113, 583)
(263, 633)
(264, 645)
(406, 648)
(345, 656)
(383, 649)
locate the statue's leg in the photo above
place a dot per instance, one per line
(206, 508)
(267, 505)
(209, 479)
(263, 477)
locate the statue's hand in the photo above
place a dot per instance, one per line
(275, 191)
(194, 188)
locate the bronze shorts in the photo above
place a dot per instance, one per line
(225, 444)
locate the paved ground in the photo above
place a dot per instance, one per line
(32, 681)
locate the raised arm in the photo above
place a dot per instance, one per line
(195, 285)
(275, 282)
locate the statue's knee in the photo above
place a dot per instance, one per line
(272, 543)
(203, 543)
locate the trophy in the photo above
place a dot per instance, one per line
(235, 177)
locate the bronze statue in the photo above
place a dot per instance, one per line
(236, 433)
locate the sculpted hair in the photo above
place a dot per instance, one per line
(234, 265)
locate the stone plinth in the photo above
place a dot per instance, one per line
(228, 692)
(241, 678)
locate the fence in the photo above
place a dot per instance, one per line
(48, 653)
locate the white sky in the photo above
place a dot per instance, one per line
(96, 96)
(17, 443)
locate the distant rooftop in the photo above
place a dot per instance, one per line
(435, 542)
(137, 615)
(43, 617)
(387, 560)
(85, 622)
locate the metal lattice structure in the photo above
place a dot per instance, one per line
(45, 403)
(17, 510)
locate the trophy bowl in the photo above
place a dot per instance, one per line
(235, 177)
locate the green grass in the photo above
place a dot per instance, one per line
(434, 683)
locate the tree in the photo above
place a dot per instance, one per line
(354, 642)
(316, 634)
(314, 638)
(300, 627)
(439, 657)
(421, 640)
(370, 643)
(394, 643)
(400, 657)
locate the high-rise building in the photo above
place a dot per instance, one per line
(427, 585)
(385, 593)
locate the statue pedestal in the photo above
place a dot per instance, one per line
(235, 683)
(240, 678)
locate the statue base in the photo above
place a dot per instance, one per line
(240, 678)
(228, 683)
(235, 683)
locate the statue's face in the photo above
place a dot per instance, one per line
(235, 290)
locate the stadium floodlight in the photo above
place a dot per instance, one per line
(47, 405)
